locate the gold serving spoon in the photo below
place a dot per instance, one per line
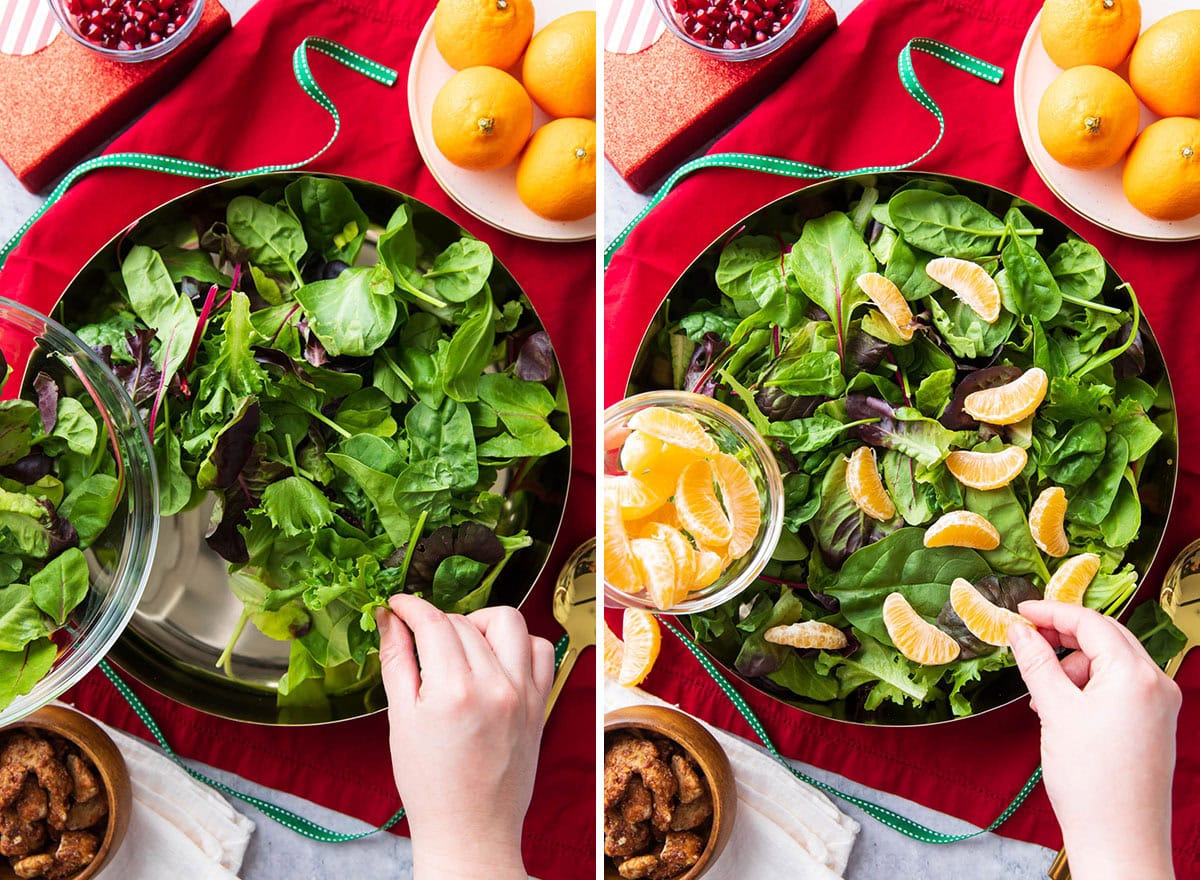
(575, 610)
(1180, 598)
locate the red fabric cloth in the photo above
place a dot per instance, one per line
(240, 108)
(845, 108)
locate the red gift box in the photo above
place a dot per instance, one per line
(672, 99)
(64, 101)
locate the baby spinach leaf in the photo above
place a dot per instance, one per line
(21, 670)
(334, 224)
(1158, 634)
(1017, 554)
(354, 314)
(272, 237)
(894, 678)
(20, 620)
(906, 269)
(738, 260)
(381, 489)
(174, 486)
(901, 563)
(470, 351)
(810, 434)
(522, 406)
(1075, 458)
(89, 506)
(295, 506)
(59, 587)
(915, 501)
(816, 373)
(827, 261)
(1031, 287)
(461, 270)
(192, 263)
(1120, 526)
(948, 226)
(1078, 268)
(448, 435)
(169, 314)
(1091, 502)
(456, 576)
(75, 426)
(398, 243)
(967, 334)
(367, 411)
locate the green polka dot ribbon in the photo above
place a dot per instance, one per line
(285, 817)
(788, 168)
(890, 818)
(171, 165)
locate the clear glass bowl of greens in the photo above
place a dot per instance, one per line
(735, 436)
(772, 320)
(78, 510)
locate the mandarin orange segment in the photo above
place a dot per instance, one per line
(1046, 522)
(914, 636)
(807, 634)
(741, 501)
(618, 563)
(699, 509)
(890, 301)
(866, 487)
(639, 496)
(653, 561)
(1009, 403)
(963, 528)
(970, 282)
(643, 639)
(1070, 582)
(987, 622)
(682, 552)
(709, 566)
(614, 653)
(987, 470)
(671, 426)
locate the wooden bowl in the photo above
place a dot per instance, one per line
(701, 745)
(102, 752)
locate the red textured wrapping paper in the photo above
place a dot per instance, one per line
(845, 108)
(240, 108)
(669, 100)
(61, 102)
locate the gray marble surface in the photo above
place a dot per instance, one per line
(880, 853)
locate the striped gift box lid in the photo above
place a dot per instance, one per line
(631, 26)
(26, 26)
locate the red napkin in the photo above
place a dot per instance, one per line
(845, 108)
(240, 108)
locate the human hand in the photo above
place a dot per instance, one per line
(464, 733)
(1108, 719)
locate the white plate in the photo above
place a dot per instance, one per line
(489, 195)
(1096, 195)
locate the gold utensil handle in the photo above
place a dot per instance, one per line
(560, 677)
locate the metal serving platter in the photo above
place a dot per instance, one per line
(1158, 476)
(187, 611)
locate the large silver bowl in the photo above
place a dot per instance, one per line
(1157, 480)
(187, 611)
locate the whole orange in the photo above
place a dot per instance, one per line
(1162, 174)
(560, 66)
(1164, 68)
(1088, 117)
(556, 177)
(481, 118)
(493, 33)
(1099, 32)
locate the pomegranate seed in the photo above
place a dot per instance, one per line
(180, 20)
(154, 39)
(170, 29)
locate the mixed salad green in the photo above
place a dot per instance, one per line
(781, 331)
(352, 413)
(59, 488)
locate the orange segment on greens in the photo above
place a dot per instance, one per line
(643, 639)
(1046, 522)
(614, 653)
(686, 510)
(1070, 582)
(914, 636)
(807, 634)
(970, 282)
(987, 622)
(890, 300)
(963, 528)
(866, 487)
(987, 470)
(1009, 403)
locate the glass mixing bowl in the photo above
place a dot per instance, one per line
(119, 559)
(737, 437)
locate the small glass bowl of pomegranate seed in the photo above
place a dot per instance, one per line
(735, 30)
(128, 30)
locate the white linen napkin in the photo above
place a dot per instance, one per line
(179, 828)
(783, 827)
